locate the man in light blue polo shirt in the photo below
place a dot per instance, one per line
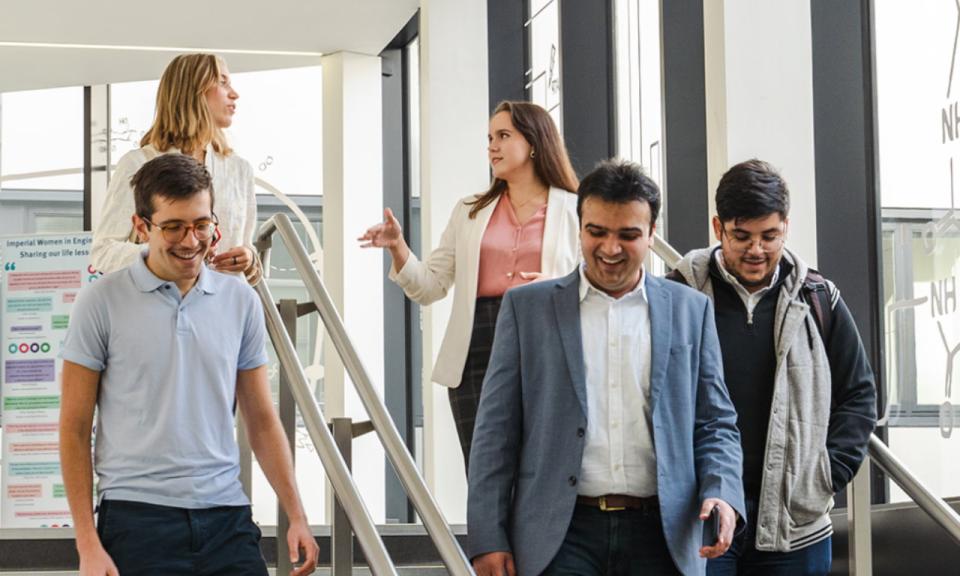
(165, 349)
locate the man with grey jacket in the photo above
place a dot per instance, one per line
(796, 371)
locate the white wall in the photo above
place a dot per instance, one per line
(352, 201)
(760, 100)
(454, 107)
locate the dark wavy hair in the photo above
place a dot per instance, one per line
(172, 176)
(550, 163)
(751, 190)
(620, 182)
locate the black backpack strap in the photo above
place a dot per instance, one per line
(676, 276)
(818, 293)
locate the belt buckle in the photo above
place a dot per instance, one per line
(605, 508)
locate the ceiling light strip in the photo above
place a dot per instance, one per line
(158, 48)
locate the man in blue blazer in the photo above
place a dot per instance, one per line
(605, 434)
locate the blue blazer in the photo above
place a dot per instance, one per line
(528, 441)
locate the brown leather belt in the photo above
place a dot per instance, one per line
(616, 502)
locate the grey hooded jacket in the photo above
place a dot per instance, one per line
(822, 413)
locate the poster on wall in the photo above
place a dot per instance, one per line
(40, 279)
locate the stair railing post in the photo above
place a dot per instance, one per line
(288, 420)
(859, 532)
(341, 535)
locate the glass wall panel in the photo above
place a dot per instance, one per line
(278, 127)
(132, 105)
(284, 283)
(42, 130)
(543, 57)
(918, 121)
(639, 89)
(57, 222)
(639, 84)
(412, 58)
(411, 55)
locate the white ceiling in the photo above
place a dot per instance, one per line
(104, 41)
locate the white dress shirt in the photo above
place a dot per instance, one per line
(618, 456)
(235, 203)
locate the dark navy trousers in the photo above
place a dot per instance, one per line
(624, 543)
(148, 539)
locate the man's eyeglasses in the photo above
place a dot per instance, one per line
(175, 231)
(743, 242)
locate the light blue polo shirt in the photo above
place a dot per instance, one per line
(165, 426)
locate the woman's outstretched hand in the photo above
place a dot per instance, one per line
(388, 234)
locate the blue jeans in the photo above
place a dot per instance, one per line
(148, 539)
(743, 559)
(624, 542)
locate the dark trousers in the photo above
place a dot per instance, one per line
(465, 399)
(743, 559)
(600, 543)
(148, 539)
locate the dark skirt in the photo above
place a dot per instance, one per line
(465, 399)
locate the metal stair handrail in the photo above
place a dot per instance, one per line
(436, 525)
(336, 469)
(935, 507)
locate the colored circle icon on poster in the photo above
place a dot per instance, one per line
(94, 274)
(33, 347)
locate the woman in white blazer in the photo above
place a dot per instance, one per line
(195, 102)
(524, 227)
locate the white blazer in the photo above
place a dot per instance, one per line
(457, 261)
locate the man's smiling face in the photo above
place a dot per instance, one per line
(615, 238)
(181, 261)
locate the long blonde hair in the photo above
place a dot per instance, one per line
(182, 119)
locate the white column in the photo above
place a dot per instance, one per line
(716, 97)
(764, 108)
(352, 201)
(454, 109)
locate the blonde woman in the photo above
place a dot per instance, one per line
(195, 102)
(522, 228)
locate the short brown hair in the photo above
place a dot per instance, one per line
(171, 176)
